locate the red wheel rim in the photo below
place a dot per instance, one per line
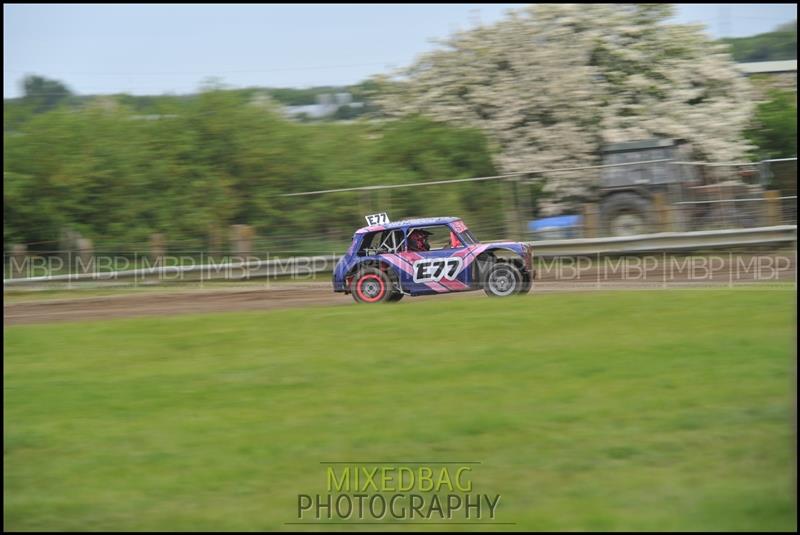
(360, 288)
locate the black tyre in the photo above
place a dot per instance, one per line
(626, 214)
(371, 285)
(527, 283)
(395, 297)
(502, 280)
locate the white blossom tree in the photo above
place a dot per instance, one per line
(552, 82)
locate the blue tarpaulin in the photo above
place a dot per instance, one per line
(558, 222)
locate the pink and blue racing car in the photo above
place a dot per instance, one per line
(387, 261)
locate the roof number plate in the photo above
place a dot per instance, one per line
(377, 219)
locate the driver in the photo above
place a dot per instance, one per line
(418, 240)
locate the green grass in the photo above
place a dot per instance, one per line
(596, 411)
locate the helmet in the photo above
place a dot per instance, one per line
(418, 240)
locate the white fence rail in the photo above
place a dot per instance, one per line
(668, 241)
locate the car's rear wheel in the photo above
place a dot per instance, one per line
(502, 280)
(371, 285)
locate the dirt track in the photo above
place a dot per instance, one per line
(289, 296)
(169, 303)
(183, 302)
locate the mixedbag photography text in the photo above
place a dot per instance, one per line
(398, 492)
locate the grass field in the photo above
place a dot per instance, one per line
(646, 410)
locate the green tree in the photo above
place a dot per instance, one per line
(780, 44)
(119, 168)
(774, 131)
(44, 94)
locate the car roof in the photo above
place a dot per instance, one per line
(419, 222)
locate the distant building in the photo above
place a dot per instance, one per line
(778, 74)
(327, 104)
(769, 67)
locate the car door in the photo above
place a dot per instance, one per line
(438, 270)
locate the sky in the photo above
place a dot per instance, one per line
(173, 48)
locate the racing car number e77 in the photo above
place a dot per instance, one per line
(436, 269)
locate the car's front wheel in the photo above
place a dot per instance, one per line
(503, 279)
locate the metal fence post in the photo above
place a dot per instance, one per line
(511, 211)
(85, 248)
(663, 219)
(242, 240)
(158, 246)
(590, 220)
(773, 207)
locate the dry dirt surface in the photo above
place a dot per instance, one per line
(170, 303)
(293, 295)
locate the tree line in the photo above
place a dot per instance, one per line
(192, 167)
(779, 44)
